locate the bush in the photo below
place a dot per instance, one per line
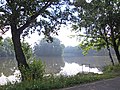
(35, 71)
(112, 69)
(36, 67)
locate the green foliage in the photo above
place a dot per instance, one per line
(112, 69)
(36, 67)
(93, 44)
(100, 21)
(27, 51)
(24, 15)
(1, 39)
(6, 48)
(44, 48)
(55, 82)
(34, 72)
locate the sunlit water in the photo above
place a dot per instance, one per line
(14, 78)
(73, 68)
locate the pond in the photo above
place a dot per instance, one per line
(56, 64)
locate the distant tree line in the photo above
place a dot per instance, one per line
(77, 51)
(6, 48)
(44, 48)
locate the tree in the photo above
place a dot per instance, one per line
(6, 48)
(44, 48)
(100, 20)
(26, 16)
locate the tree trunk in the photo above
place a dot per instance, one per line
(113, 36)
(20, 57)
(112, 61)
(108, 48)
(117, 53)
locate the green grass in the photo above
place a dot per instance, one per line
(55, 82)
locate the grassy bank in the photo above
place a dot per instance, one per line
(55, 82)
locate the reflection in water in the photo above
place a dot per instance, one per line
(73, 68)
(61, 65)
(15, 78)
(67, 70)
(7, 65)
(94, 61)
(53, 64)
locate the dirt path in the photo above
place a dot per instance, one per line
(111, 84)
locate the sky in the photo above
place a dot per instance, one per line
(64, 35)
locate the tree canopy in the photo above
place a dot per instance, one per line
(100, 22)
(6, 48)
(30, 15)
(23, 17)
(44, 48)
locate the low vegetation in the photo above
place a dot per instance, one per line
(35, 71)
(55, 82)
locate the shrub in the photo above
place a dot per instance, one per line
(36, 67)
(34, 72)
(112, 69)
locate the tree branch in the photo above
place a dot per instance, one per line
(33, 17)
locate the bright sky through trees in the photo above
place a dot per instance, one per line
(64, 34)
